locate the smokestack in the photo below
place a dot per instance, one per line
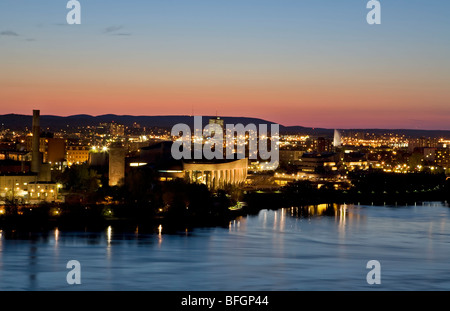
(36, 157)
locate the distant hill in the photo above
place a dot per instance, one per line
(55, 123)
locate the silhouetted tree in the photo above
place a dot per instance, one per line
(139, 186)
(80, 178)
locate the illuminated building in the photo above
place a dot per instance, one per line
(322, 145)
(360, 139)
(77, 154)
(354, 160)
(422, 142)
(116, 129)
(15, 186)
(429, 154)
(216, 174)
(25, 189)
(116, 164)
(314, 162)
(442, 158)
(43, 192)
(339, 182)
(213, 173)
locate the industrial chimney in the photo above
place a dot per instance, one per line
(36, 156)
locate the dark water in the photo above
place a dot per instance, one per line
(287, 249)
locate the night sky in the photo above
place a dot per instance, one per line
(295, 62)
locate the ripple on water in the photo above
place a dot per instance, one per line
(270, 251)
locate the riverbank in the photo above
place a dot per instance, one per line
(260, 200)
(75, 217)
(98, 217)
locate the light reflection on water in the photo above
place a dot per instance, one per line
(324, 247)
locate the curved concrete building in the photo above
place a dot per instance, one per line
(216, 174)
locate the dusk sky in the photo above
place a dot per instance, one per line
(313, 63)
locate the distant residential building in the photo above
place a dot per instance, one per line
(442, 158)
(422, 142)
(323, 144)
(116, 129)
(429, 154)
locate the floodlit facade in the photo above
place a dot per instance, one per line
(77, 154)
(216, 175)
(25, 189)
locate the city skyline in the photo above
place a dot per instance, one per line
(309, 63)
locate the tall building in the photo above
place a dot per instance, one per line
(116, 164)
(442, 158)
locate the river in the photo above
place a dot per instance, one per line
(311, 248)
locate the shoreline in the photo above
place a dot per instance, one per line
(98, 217)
